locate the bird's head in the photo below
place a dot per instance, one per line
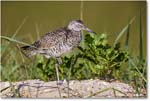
(77, 25)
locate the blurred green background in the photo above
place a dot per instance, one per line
(102, 17)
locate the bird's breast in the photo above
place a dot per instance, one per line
(74, 38)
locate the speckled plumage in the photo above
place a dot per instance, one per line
(58, 42)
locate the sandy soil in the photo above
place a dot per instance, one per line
(73, 89)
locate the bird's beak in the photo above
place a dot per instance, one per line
(89, 30)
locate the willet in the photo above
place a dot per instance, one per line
(56, 43)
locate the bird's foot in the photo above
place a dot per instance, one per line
(60, 82)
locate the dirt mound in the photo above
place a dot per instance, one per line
(73, 89)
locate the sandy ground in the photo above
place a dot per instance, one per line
(73, 89)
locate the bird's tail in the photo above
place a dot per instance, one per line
(25, 47)
(28, 51)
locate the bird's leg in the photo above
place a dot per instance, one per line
(59, 61)
(57, 72)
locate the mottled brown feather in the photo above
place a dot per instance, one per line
(51, 39)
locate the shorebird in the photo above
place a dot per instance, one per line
(58, 42)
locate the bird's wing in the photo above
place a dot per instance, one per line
(51, 39)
